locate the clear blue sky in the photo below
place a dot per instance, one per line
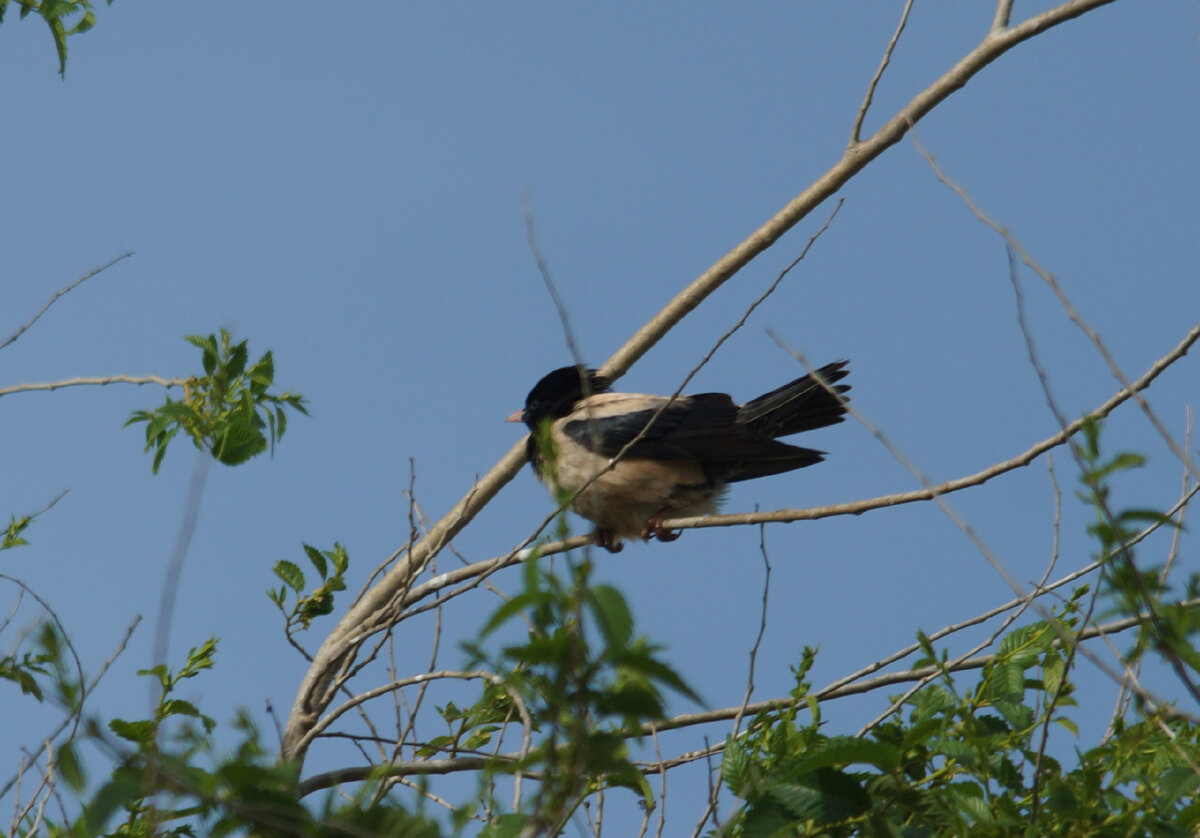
(345, 188)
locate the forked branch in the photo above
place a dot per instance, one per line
(371, 613)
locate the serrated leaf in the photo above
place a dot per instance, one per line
(140, 733)
(237, 441)
(479, 738)
(976, 807)
(291, 574)
(734, 766)
(1174, 783)
(1010, 677)
(236, 364)
(954, 749)
(826, 796)
(340, 559)
(850, 750)
(1053, 670)
(317, 558)
(179, 707)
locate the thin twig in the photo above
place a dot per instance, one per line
(1003, 14)
(564, 318)
(856, 131)
(1070, 310)
(1015, 249)
(487, 567)
(314, 693)
(97, 381)
(20, 331)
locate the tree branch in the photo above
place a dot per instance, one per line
(61, 292)
(99, 381)
(372, 611)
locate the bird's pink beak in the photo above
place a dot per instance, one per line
(516, 417)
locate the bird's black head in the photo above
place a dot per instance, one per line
(556, 394)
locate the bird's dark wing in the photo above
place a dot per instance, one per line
(684, 429)
(700, 428)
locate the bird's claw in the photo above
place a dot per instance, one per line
(655, 529)
(606, 539)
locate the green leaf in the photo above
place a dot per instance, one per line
(236, 364)
(340, 559)
(735, 766)
(122, 791)
(140, 733)
(290, 573)
(1067, 724)
(236, 441)
(611, 614)
(850, 750)
(317, 559)
(826, 796)
(1053, 671)
(1175, 783)
(511, 609)
(69, 767)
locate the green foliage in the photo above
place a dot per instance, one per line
(13, 533)
(308, 607)
(29, 668)
(229, 411)
(587, 682)
(170, 783)
(22, 668)
(58, 15)
(1130, 587)
(974, 758)
(968, 760)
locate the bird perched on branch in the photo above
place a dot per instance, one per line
(641, 459)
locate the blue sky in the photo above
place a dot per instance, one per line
(346, 190)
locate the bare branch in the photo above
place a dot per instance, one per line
(1065, 302)
(889, 679)
(1003, 13)
(476, 763)
(856, 131)
(1024, 459)
(544, 269)
(101, 381)
(75, 718)
(315, 693)
(363, 697)
(61, 292)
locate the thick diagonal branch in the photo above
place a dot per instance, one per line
(374, 611)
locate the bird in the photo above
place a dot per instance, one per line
(674, 457)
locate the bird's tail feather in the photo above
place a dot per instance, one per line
(801, 405)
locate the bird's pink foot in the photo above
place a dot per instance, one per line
(606, 539)
(655, 529)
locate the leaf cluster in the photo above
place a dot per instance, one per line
(230, 411)
(169, 782)
(974, 760)
(588, 683)
(968, 761)
(1131, 587)
(57, 15)
(317, 603)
